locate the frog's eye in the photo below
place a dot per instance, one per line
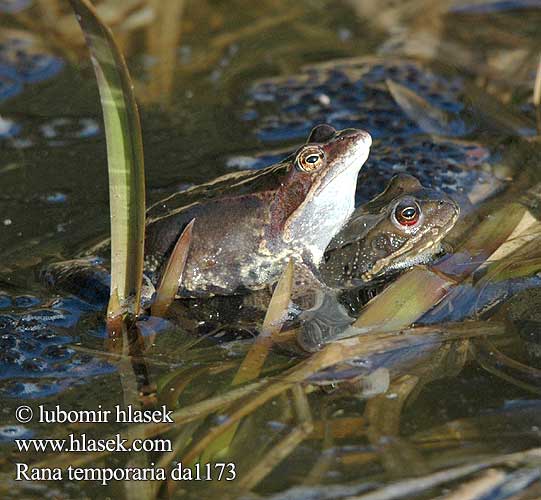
(407, 214)
(310, 159)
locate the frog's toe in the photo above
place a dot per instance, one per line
(323, 323)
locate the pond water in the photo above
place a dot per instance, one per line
(449, 408)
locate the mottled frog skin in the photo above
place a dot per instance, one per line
(401, 227)
(248, 225)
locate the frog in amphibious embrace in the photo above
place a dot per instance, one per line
(248, 224)
(401, 227)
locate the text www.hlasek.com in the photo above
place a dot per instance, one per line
(83, 443)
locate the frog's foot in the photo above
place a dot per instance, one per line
(324, 322)
(88, 279)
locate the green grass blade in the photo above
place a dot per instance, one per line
(274, 319)
(252, 364)
(124, 157)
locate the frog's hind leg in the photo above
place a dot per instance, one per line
(89, 280)
(85, 278)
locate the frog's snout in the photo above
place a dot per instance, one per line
(366, 137)
(448, 210)
(357, 135)
(450, 203)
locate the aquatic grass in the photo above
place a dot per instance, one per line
(506, 368)
(337, 352)
(403, 302)
(524, 260)
(480, 429)
(406, 488)
(242, 400)
(125, 163)
(383, 415)
(275, 316)
(286, 445)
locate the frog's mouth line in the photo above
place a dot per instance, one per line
(386, 263)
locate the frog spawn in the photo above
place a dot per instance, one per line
(36, 359)
(454, 167)
(354, 93)
(28, 132)
(23, 62)
(348, 93)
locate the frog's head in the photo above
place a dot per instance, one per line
(318, 191)
(331, 157)
(401, 227)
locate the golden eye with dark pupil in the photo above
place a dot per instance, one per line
(407, 216)
(310, 159)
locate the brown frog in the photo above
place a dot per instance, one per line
(249, 224)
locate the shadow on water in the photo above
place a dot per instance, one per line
(446, 407)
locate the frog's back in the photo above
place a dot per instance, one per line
(234, 184)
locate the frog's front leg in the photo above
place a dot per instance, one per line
(323, 318)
